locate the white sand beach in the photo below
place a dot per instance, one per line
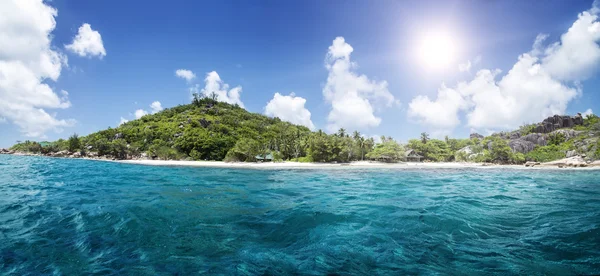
(352, 165)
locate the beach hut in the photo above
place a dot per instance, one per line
(264, 158)
(412, 156)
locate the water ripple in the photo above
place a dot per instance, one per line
(73, 217)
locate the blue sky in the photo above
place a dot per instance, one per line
(281, 46)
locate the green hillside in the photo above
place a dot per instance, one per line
(211, 130)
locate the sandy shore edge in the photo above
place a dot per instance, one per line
(352, 165)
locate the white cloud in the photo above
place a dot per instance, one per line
(185, 74)
(440, 114)
(87, 43)
(588, 112)
(27, 63)
(214, 84)
(289, 108)
(352, 97)
(464, 67)
(540, 84)
(140, 113)
(156, 107)
(577, 55)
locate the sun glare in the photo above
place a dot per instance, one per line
(436, 50)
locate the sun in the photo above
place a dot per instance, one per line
(436, 50)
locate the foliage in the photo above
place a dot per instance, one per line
(389, 151)
(500, 151)
(424, 137)
(556, 139)
(210, 130)
(433, 150)
(245, 149)
(74, 144)
(546, 153)
(527, 129)
(305, 159)
(28, 146)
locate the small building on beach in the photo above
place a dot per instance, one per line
(264, 158)
(412, 156)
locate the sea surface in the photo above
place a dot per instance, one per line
(80, 217)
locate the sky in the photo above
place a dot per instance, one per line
(394, 68)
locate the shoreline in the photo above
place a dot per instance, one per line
(351, 165)
(553, 165)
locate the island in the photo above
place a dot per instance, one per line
(209, 130)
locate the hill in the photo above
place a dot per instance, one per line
(211, 130)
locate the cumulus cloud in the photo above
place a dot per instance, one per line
(541, 83)
(140, 113)
(27, 63)
(87, 43)
(156, 107)
(588, 112)
(185, 74)
(214, 84)
(353, 97)
(289, 108)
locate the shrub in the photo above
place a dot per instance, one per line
(305, 159)
(546, 153)
(556, 139)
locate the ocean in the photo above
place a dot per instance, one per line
(81, 217)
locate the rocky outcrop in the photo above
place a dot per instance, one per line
(555, 125)
(575, 161)
(521, 145)
(204, 123)
(567, 133)
(528, 142)
(555, 122)
(476, 135)
(531, 164)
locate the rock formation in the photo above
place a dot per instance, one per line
(476, 135)
(550, 126)
(557, 122)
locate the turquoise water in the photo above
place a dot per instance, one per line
(70, 217)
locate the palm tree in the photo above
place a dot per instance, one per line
(424, 137)
(342, 132)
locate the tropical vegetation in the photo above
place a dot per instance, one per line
(210, 130)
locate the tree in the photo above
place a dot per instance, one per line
(245, 149)
(74, 143)
(389, 151)
(214, 97)
(119, 148)
(424, 137)
(341, 132)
